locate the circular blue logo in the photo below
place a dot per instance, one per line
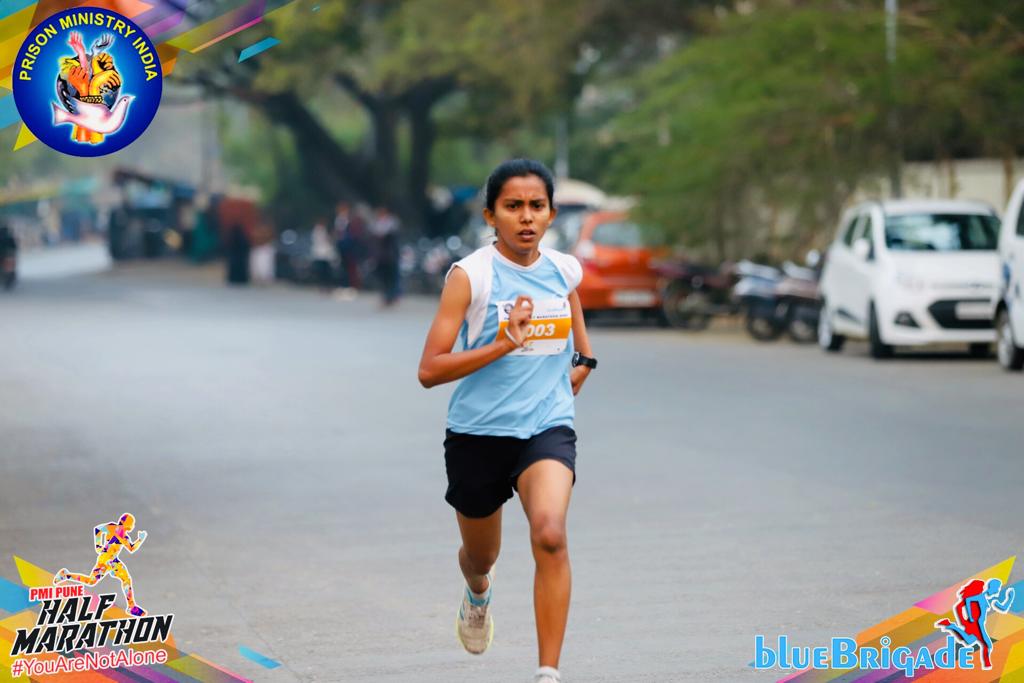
(87, 81)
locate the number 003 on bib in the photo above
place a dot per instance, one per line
(548, 331)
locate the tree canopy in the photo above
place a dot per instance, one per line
(788, 107)
(739, 125)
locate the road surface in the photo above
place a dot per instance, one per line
(288, 468)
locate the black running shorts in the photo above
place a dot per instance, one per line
(483, 470)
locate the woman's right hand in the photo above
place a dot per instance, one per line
(519, 318)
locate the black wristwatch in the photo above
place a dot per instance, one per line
(579, 359)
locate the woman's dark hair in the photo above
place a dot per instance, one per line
(518, 168)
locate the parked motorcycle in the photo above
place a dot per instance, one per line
(779, 302)
(691, 295)
(756, 294)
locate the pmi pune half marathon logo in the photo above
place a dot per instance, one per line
(87, 81)
(984, 612)
(70, 621)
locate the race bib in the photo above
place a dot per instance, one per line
(547, 333)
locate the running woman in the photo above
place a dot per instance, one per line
(525, 355)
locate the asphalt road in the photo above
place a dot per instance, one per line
(288, 468)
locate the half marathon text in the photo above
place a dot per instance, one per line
(76, 623)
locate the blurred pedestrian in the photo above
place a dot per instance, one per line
(238, 255)
(8, 243)
(348, 229)
(8, 256)
(263, 255)
(385, 233)
(323, 255)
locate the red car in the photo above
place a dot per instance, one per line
(617, 271)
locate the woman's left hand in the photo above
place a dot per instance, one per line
(577, 376)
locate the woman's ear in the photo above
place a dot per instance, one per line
(488, 216)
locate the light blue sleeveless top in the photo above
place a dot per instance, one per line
(517, 396)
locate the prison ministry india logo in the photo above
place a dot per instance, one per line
(967, 644)
(89, 630)
(87, 81)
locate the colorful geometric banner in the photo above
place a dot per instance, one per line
(915, 628)
(180, 665)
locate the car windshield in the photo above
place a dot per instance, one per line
(618, 234)
(942, 232)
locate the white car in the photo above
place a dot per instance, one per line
(1010, 310)
(911, 273)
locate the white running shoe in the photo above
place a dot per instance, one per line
(474, 625)
(547, 674)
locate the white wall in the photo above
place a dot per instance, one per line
(981, 179)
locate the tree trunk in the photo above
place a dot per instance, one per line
(326, 164)
(422, 136)
(418, 102)
(376, 178)
(384, 160)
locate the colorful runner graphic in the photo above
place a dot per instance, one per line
(971, 613)
(110, 539)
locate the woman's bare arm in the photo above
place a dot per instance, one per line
(439, 364)
(580, 342)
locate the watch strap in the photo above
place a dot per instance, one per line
(586, 361)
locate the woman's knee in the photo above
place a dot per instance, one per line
(547, 535)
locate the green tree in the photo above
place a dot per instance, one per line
(396, 62)
(784, 109)
(493, 68)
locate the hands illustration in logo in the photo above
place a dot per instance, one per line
(85, 83)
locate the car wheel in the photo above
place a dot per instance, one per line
(876, 346)
(827, 337)
(1010, 356)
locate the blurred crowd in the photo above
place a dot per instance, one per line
(356, 248)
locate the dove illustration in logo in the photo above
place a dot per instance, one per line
(95, 117)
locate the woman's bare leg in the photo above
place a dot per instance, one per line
(481, 541)
(544, 489)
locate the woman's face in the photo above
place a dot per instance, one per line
(522, 213)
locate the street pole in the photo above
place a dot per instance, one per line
(895, 143)
(892, 8)
(562, 146)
